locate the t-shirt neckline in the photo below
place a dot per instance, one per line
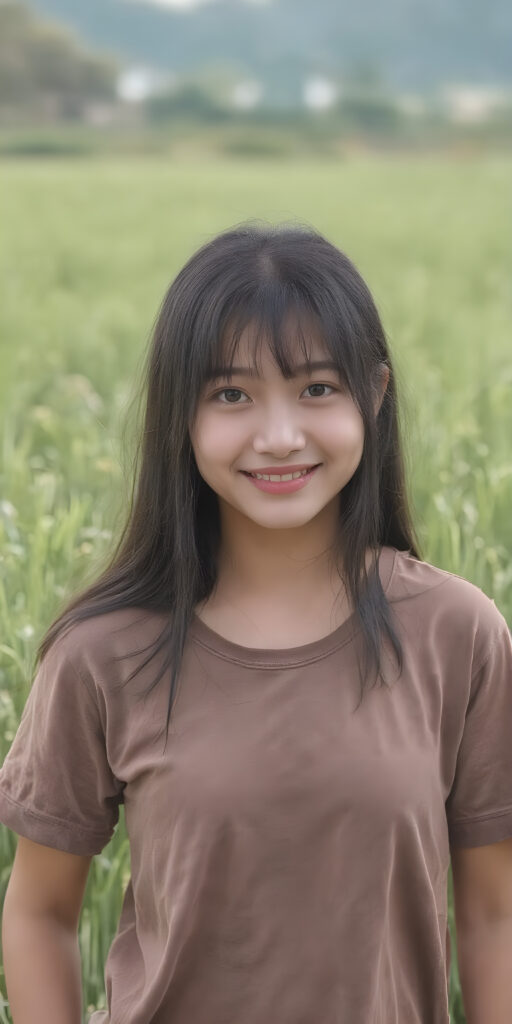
(287, 656)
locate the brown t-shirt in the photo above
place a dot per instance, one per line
(289, 855)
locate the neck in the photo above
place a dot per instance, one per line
(256, 563)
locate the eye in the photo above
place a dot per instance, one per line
(319, 386)
(228, 391)
(237, 391)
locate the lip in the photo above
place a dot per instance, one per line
(281, 470)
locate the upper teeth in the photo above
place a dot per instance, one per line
(274, 476)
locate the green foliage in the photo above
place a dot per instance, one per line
(37, 144)
(257, 144)
(372, 114)
(92, 247)
(44, 71)
(189, 101)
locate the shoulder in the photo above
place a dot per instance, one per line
(446, 602)
(97, 647)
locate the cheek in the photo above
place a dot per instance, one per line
(214, 440)
(345, 432)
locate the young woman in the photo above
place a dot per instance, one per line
(336, 710)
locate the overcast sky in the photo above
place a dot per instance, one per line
(191, 3)
(173, 3)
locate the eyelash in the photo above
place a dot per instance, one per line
(217, 394)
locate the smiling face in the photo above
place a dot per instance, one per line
(253, 421)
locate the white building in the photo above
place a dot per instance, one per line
(319, 93)
(136, 84)
(472, 104)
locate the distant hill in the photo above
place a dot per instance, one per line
(416, 44)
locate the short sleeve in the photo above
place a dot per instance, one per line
(479, 806)
(56, 785)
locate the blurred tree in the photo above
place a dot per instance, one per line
(188, 102)
(365, 76)
(371, 114)
(367, 104)
(44, 72)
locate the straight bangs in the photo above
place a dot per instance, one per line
(288, 321)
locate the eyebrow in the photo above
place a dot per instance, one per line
(224, 371)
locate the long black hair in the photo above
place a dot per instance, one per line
(165, 559)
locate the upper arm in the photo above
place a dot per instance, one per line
(47, 881)
(482, 883)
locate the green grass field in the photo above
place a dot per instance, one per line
(89, 248)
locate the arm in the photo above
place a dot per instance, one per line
(42, 970)
(482, 888)
(40, 934)
(485, 968)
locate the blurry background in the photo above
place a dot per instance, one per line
(130, 133)
(255, 76)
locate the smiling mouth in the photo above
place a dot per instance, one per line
(277, 477)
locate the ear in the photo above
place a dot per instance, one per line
(383, 373)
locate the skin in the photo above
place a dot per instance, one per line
(275, 548)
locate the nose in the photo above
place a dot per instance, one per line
(280, 433)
